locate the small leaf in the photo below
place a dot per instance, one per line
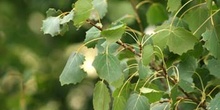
(160, 106)
(114, 33)
(119, 103)
(100, 9)
(214, 67)
(67, 18)
(72, 73)
(137, 102)
(212, 42)
(186, 85)
(173, 5)
(83, 9)
(91, 34)
(53, 12)
(101, 97)
(108, 67)
(148, 53)
(143, 70)
(156, 14)
(51, 26)
(215, 103)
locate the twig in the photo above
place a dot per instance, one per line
(128, 47)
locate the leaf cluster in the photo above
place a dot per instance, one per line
(175, 67)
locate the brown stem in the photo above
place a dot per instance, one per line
(137, 16)
(130, 48)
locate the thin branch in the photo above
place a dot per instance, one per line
(137, 16)
(128, 47)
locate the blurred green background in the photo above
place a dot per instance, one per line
(30, 62)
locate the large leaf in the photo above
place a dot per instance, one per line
(51, 25)
(72, 73)
(156, 14)
(137, 102)
(143, 70)
(108, 67)
(173, 5)
(91, 34)
(100, 9)
(113, 33)
(101, 97)
(177, 39)
(83, 9)
(214, 67)
(195, 18)
(119, 103)
(215, 103)
(212, 42)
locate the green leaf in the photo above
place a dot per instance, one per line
(137, 102)
(214, 103)
(153, 95)
(186, 85)
(53, 12)
(113, 33)
(186, 68)
(51, 25)
(119, 103)
(67, 18)
(177, 39)
(83, 9)
(195, 18)
(156, 14)
(91, 34)
(143, 70)
(214, 67)
(72, 73)
(108, 67)
(148, 53)
(100, 9)
(173, 5)
(101, 97)
(212, 42)
(160, 106)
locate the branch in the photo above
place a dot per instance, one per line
(128, 47)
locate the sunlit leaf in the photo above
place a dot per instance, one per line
(177, 39)
(108, 67)
(214, 67)
(101, 97)
(212, 42)
(160, 106)
(100, 9)
(51, 25)
(156, 14)
(137, 102)
(214, 103)
(67, 18)
(113, 33)
(91, 34)
(119, 103)
(72, 73)
(173, 5)
(195, 18)
(83, 9)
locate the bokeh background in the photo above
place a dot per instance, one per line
(30, 62)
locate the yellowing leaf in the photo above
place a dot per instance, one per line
(72, 73)
(83, 9)
(51, 26)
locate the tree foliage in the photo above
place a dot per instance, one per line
(171, 64)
